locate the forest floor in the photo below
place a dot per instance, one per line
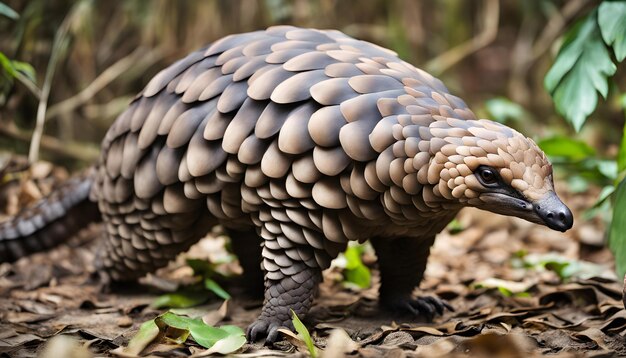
(517, 289)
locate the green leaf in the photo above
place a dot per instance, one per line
(571, 149)
(169, 319)
(7, 65)
(605, 193)
(356, 272)
(580, 71)
(564, 267)
(176, 328)
(227, 345)
(146, 334)
(560, 267)
(455, 227)
(14, 68)
(621, 155)
(208, 336)
(26, 69)
(608, 168)
(597, 169)
(503, 109)
(304, 333)
(175, 335)
(8, 12)
(617, 232)
(214, 287)
(181, 299)
(612, 21)
(505, 292)
(232, 330)
(204, 334)
(507, 288)
(359, 276)
(201, 267)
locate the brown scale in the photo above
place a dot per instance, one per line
(304, 139)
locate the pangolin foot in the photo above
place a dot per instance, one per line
(266, 326)
(426, 306)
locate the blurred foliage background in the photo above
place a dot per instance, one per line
(87, 59)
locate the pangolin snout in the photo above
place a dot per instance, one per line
(554, 213)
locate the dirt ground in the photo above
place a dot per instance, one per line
(517, 289)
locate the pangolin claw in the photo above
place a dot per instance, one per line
(265, 326)
(426, 306)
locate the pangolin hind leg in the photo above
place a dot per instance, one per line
(293, 271)
(141, 239)
(246, 244)
(402, 261)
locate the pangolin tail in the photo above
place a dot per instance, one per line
(49, 222)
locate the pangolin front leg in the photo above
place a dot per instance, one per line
(293, 292)
(402, 261)
(292, 274)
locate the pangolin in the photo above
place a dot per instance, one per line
(296, 141)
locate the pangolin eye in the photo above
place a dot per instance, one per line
(488, 175)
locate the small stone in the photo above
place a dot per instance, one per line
(124, 321)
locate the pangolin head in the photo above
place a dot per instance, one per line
(490, 166)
